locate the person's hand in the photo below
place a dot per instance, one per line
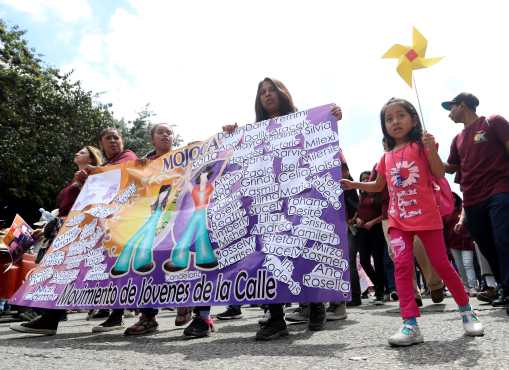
(91, 169)
(351, 221)
(80, 176)
(336, 112)
(359, 222)
(230, 128)
(347, 184)
(368, 225)
(428, 141)
(459, 227)
(37, 234)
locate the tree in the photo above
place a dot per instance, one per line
(46, 117)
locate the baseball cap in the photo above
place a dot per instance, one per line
(468, 99)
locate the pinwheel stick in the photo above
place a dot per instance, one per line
(419, 104)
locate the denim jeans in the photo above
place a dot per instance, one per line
(488, 223)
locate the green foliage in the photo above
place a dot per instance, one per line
(46, 117)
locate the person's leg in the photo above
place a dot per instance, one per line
(478, 222)
(490, 292)
(377, 246)
(317, 316)
(184, 315)
(46, 324)
(499, 216)
(146, 324)
(402, 246)
(365, 253)
(417, 292)
(354, 275)
(433, 242)
(275, 327)
(113, 322)
(458, 260)
(431, 277)
(202, 325)
(468, 265)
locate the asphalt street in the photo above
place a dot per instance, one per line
(360, 341)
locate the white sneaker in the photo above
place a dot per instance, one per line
(471, 324)
(406, 336)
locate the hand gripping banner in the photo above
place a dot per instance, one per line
(255, 216)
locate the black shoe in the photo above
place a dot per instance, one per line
(488, 295)
(500, 302)
(113, 322)
(39, 325)
(273, 329)
(199, 328)
(230, 314)
(317, 316)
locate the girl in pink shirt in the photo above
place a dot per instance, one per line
(407, 169)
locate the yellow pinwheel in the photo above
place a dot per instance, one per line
(411, 58)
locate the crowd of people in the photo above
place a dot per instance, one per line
(395, 219)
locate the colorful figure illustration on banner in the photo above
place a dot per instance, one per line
(138, 251)
(200, 188)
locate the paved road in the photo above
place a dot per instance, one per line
(357, 342)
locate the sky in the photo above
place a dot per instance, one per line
(198, 63)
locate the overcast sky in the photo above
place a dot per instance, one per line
(198, 63)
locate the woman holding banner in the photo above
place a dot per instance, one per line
(273, 100)
(47, 323)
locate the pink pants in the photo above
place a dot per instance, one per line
(433, 241)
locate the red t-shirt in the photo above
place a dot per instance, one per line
(480, 153)
(66, 198)
(368, 207)
(412, 204)
(383, 195)
(126, 155)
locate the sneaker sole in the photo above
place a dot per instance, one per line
(127, 334)
(296, 320)
(336, 318)
(279, 334)
(406, 344)
(100, 329)
(22, 329)
(189, 336)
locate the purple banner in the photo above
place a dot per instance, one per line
(256, 216)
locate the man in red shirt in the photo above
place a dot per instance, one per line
(480, 158)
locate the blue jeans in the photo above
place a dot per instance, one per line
(488, 223)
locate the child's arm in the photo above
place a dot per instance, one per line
(371, 186)
(436, 164)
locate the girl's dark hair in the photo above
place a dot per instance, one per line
(415, 134)
(154, 128)
(108, 130)
(364, 173)
(285, 100)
